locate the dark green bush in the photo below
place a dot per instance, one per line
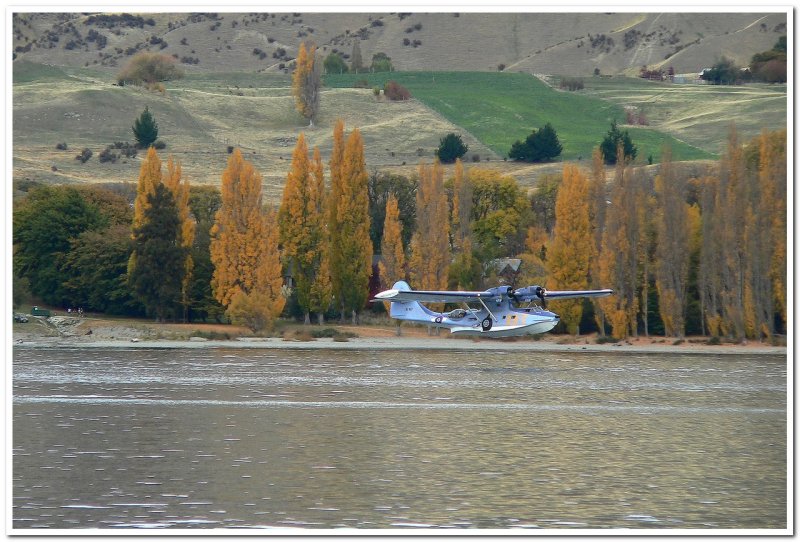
(540, 146)
(451, 148)
(145, 129)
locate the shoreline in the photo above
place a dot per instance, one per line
(398, 343)
(94, 333)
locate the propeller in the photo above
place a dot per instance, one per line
(541, 293)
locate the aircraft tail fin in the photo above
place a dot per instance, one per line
(408, 310)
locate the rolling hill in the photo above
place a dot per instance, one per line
(63, 89)
(549, 43)
(199, 117)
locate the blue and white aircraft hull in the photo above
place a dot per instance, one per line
(493, 317)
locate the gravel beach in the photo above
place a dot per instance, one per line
(66, 331)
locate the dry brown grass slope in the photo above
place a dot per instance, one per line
(553, 43)
(199, 121)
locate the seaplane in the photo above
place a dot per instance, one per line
(502, 311)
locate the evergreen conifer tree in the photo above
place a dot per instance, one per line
(157, 278)
(145, 129)
(547, 143)
(539, 146)
(617, 138)
(451, 148)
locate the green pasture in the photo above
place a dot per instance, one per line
(500, 108)
(27, 72)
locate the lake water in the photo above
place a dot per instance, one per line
(226, 438)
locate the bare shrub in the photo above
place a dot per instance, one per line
(149, 68)
(396, 92)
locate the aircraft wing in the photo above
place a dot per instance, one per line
(566, 294)
(429, 296)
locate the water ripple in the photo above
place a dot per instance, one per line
(23, 399)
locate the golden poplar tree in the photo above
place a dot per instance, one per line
(180, 191)
(392, 266)
(744, 237)
(732, 204)
(743, 221)
(712, 254)
(764, 236)
(672, 247)
(430, 244)
(597, 217)
(332, 208)
(321, 288)
(572, 249)
(307, 81)
(620, 255)
(301, 223)
(260, 307)
(694, 314)
(465, 270)
(149, 179)
(393, 263)
(351, 245)
(244, 249)
(462, 206)
(773, 180)
(534, 259)
(645, 205)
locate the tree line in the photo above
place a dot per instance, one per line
(767, 66)
(685, 254)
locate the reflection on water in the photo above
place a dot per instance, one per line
(327, 439)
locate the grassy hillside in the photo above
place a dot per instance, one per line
(198, 118)
(500, 108)
(203, 114)
(700, 115)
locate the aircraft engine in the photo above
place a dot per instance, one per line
(501, 291)
(529, 293)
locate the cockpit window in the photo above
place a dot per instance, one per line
(457, 314)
